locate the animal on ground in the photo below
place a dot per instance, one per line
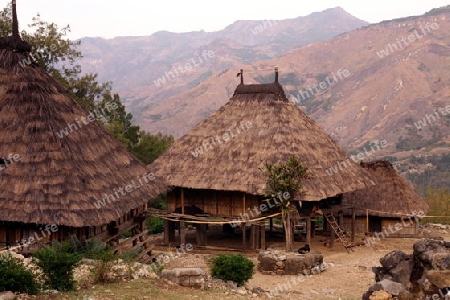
(305, 249)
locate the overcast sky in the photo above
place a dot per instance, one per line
(143, 17)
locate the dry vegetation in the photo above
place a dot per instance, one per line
(348, 278)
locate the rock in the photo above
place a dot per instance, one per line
(402, 271)
(267, 263)
(440, 278)
(241, 291)
(393, 288)
(405, 295)
(441, 261)
(7, 296)
(297, 264)
(391, 259)
(190, 277)
(380, 295)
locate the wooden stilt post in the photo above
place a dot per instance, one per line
(353, 224)
(308, 230)
(253, 236)
(271, 225)
(182, 226)
(263, 236)
(331, 237)
(367, 221)
(244, 239)
(313, 228)
(169, 232)
(200, 230)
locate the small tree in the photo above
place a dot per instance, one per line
(282, 178)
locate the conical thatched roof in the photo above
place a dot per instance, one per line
(392, 194)
(57, 180)
(277, 130)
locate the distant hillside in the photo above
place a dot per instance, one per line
(387, 81)
(149, 69)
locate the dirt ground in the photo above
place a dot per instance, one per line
(347, 277)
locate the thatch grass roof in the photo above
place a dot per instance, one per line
(279, 130)
(58, 180)
(392, 194)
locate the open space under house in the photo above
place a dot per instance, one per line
(216, 168)
(49, 185)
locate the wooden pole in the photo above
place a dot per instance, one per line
(353, 224)
(182, 227)
(244, 239)
(253, 236)
(367, 220)
(308, 230)
(263, 236)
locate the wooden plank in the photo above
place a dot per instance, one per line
(139, 245)
(106, 235)
(134, 237)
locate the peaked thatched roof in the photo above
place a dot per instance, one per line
(262, 126)
(392, 194)
(57, 180)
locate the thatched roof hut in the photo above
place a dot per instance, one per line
(56, 178)
(392, 196)
(229, 148)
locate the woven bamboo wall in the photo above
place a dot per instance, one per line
(224, 203)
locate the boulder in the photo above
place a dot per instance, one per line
(393, 288)
(189, 277)
(440, 278)
(380, 295)
(298, 264)
(7, 296)
(402, 271)
(441, 261)
(391, 259)
(267, 263)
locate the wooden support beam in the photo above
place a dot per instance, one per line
(308, 230)
(263, 236)
(201, 234)
(253, 236)
(182, 233)
(332, 233)
(244, 239)
(313, 228)
(353, 224)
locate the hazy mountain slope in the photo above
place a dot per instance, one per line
(381, 98)
(146, 70)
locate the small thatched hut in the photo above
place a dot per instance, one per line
(217, 166)
(391, 201)
(50, 182)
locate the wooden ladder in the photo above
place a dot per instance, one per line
(339, 232)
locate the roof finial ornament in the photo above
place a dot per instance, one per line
(276, 74)
(242, 76)
(15, 23)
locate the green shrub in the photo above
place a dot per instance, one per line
(232, 267)
(155, 225)
(103, 266)
(15, 277)
(58, 263)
